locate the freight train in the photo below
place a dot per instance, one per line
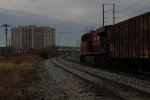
(122, 46)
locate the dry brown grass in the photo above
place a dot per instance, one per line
(17, 78)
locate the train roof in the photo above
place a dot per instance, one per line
(84, 37)
(97, 31)
(133, 18)
(101, 29)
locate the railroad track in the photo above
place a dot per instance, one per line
(139, 75)
(106, 94)
(117, 89)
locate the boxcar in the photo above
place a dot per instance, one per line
(130, 41)
(125, 44)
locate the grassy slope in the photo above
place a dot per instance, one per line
(17, 78)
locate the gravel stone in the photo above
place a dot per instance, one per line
(58, 84)
(124, 92)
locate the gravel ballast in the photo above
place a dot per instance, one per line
(58, 84)
(128, 81)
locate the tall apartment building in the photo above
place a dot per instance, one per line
(32, 37)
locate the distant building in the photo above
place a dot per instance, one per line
(32, 37)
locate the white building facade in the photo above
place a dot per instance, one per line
(32, 37)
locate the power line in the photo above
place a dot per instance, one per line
(135, 6)
(72, 32)
(136, 12)
(139, 10)
(132, 6)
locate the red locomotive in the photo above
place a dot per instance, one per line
(125, 45)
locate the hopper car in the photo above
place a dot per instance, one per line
(122, 46)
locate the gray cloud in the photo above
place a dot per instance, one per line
(71, 12)
(16, 18)
(74, 10)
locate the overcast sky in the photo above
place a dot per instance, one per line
(77, 14)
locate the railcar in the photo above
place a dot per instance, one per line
(125, 45)
(94, 46)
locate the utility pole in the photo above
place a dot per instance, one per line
(6, 29)
(86, 29)
(9, 43)
(109, 11)
(103, 14)
(114, 14)
(58, 39)
(92, 28)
